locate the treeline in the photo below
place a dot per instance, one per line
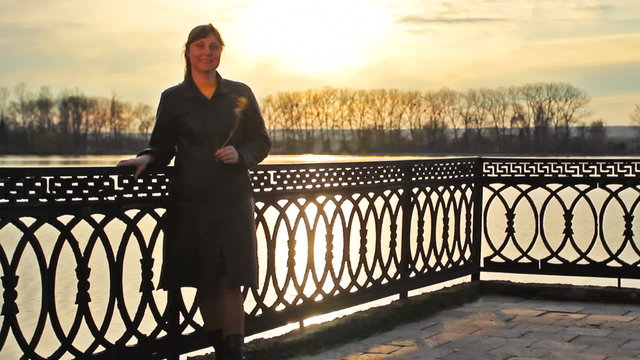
(540, 118)
(70, 122)
(533, 118)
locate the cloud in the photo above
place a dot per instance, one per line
(414, 19)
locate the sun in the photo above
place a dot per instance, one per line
(314, 37)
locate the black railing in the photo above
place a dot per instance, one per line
(79, 247)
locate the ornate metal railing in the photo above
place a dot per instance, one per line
(80, 247)
(562, 217)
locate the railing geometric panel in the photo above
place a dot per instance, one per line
(563, 217)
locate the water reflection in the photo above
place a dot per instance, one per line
(111, 160)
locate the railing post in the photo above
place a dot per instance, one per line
(173, 324)
(407, 210)
(478, 187)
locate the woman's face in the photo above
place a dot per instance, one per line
(204, 54)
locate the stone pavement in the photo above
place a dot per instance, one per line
(503, 327)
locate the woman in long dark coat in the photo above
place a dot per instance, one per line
(214, 128)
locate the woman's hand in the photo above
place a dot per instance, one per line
(140, 163)
(227, 154)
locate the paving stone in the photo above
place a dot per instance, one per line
(491, 342)
(449, 315)
(564, 355)
(534, 303)
(521, 342)
(612, 351)
(598, 319)
(507, 351)
(606, 309)
(355, 347)
(553, 345)
(428, 325)
(404, 342)
(581, 330)
(442, 338)
(564, 316)
(486, 315)
(482, 346)
(484, 324)
(366, 357)
(468, 354)
(475, 345)
(626, 334)
(380, 338)
(557, 336)
(632, 344)
(382, 349)
(597, 341)
(425, 334)
(538, 327)
(501, 333)
(427, 353)
(404, 332)
(561, 307)
(535, 320)
(522, 312)
(634, 313)
(404, 351)
(462, 329)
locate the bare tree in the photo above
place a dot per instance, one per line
(450, 99)
(4, 105)
(344, 118)
(120, 116)
(98, 110)
(416, 108)
(272, 117)
(634, 116)
(143, 116)
(570, 107)
(364, 119)
(472, 113)
(497, 106)
(44, 105)
(20, 106)
(436, 114)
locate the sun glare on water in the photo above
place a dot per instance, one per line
(318, 37)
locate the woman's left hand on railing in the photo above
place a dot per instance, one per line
(139, 162)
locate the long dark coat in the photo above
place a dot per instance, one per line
(210, 227)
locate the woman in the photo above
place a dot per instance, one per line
(214, 128)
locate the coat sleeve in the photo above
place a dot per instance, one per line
(163, 141)
(256, 144)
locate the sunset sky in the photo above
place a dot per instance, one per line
(133, 48)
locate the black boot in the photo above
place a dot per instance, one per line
(235, 347)
(217, 341)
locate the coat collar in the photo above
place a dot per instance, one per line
(191, 89)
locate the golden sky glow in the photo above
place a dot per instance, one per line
(134, 48)
(313, 40)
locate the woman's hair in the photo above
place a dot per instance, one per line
(197, 33)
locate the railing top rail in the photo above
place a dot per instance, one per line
(592, 168)
(80, 170)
